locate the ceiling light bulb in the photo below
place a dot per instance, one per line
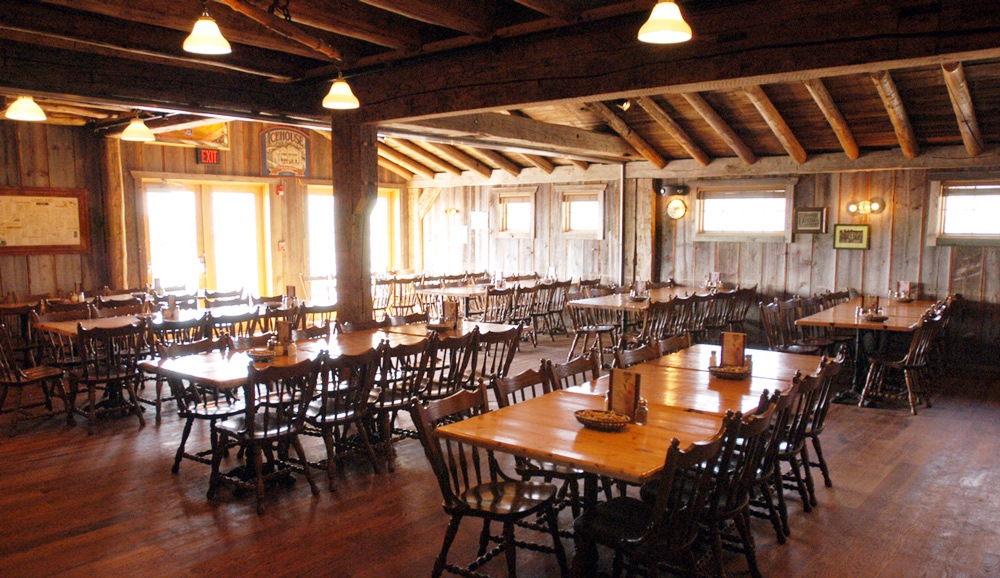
(340, 96)
(25, 108)
(137, 131)
(875, 206)
(665, 25)
(852, 208)
(206, 38)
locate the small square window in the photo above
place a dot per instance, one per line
(515, 213)
(583, 211)
(966, 213)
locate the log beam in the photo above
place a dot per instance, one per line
(392, 155)
(833, 116)
(394, 168)
(459, 158)
(721, 127)
(965, 111)
(893, 102)
(541, 162)
(468, 17)
(354, 20)
(560, 9)
(777, 123)
(582, 165)
(512, 168)
(426, 200)
(622, 128)
(424, 157)
(284, 28)
(673, 129)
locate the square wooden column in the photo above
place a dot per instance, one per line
(355, 190)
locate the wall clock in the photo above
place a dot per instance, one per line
(676, 209)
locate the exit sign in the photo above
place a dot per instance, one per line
(207, 156)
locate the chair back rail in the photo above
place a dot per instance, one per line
(577, 371)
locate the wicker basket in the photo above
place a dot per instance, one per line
(735, 372)
(602, 420)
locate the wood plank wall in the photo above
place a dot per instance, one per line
(41, 155)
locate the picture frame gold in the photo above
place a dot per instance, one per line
(810, 220)
(851, 237)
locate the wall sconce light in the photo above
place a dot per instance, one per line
(451, 211)
(872, 206)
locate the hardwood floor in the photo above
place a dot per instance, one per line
(913, 495)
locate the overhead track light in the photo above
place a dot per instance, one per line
(341, 97)
(205, 37)
(665, 25)
(25, 108)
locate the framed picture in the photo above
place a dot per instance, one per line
(810, 220)
(851, 237)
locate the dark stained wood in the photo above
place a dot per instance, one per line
(720, 126)
(471, 18)
(284, 28)
(965, 110)
(778, 125)
(675, 130)
(896, 109)
(635, 139)
(833, 116)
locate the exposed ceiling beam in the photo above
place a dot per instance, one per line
(459, 158)
(777, 123)
(893, 102)
(394, 168)
(517, 130)
(399, 158)
(721, 127)
(284, 28)
(423, 156)
(965, 111)
(469, 17)
(561, 9)
(354, 20)
(673, 129)
(541, 162)
(833, 116)
(182, 122)
(499, 160)
(582, 165)
(622, 128)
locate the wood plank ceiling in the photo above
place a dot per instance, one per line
(90, 61)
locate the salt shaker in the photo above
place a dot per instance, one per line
(642, 412)
(712, 360)
(748, 362)
(291, 349)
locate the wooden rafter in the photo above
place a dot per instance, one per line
(399, 158)
(560, 9)
(354, 20)
(469, 17)
(965, 111)
(541, 162)
(673, 129)
(833, 116)
(459, 158)
(426, 200)
(721, 127)
(582, 165)
(893, 102)
(622, 128)
(284, 28)
(777, 123)
(499, 160)
(423, 156)
(394, 168)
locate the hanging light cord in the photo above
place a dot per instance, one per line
(282, 7)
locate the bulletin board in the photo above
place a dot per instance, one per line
(43, 221)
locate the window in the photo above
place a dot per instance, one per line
(383, 226)
(583, 211)
(967, 212)
(515, 213)
(758, 210)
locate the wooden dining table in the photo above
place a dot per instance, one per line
(466, 293)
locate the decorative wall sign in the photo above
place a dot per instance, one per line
(41, 220)
(284, 152)
(810, 220)
(214, 135)
(851, 237)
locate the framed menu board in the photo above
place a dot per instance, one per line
(43, 220)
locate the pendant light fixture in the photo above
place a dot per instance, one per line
(137, 131)
(25, 108)
(205, 37)
(341, 97)
(665, 25)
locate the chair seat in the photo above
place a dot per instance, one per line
(394, 400)
(104, 374)
(508, 498)
(40, 373)
(331, 414)
(618, 521)
(212, 410)
(236, 426)
(797, 348)
(540, 468)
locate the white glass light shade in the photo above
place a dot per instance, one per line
(138, 131)
(341, 97)
(206, 38)
(25, 108)
(665, 25)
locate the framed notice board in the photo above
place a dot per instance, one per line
(43, 220)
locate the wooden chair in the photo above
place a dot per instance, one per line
(59, 306)
(316, 315)
(230, 302)
(473, 485)
(914, 366)
(660, 321)
(366, 325)
(809, 336)
(401, 374)
(646, 535)
(768, 498)
(745, 298)
(122, 311)
(312, 332)
(719, 310)
(215, 295)
(449, 364)
(674, 344)
(556, 320)
(404, 295)
(170, 332)
(625, 358)
(583, 323)
(195, 403)
(576, 371)
(429, 304)
(272, 311)
(495, 351)
(18, 377)
(778, 320)
(521, 311)
(498, 305)
(237, 325)
(55, 349)
(181, 301)
(20, 332)
(829, 370)
(109, 363)
(104, 303)
(396, 320)
(792, 448)
(242, 343)
(343, 400)
(381, 297)
(275, 400)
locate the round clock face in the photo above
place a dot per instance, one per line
(676, 209)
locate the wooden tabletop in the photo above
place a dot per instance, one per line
(545, 428)
(766, 363)
(464, 327)
(621, 301)
(68, 328)
(904, 317)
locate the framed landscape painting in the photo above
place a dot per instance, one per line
(810, 220)
(851, 237)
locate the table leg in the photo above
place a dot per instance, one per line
(586, 559)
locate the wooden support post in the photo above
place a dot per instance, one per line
(965, 112)
(114, 213)
(777, 123)
(355, 180)
(833, 116)
(897, 113)
(622, 128)
(670, 125)
(720, 126)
